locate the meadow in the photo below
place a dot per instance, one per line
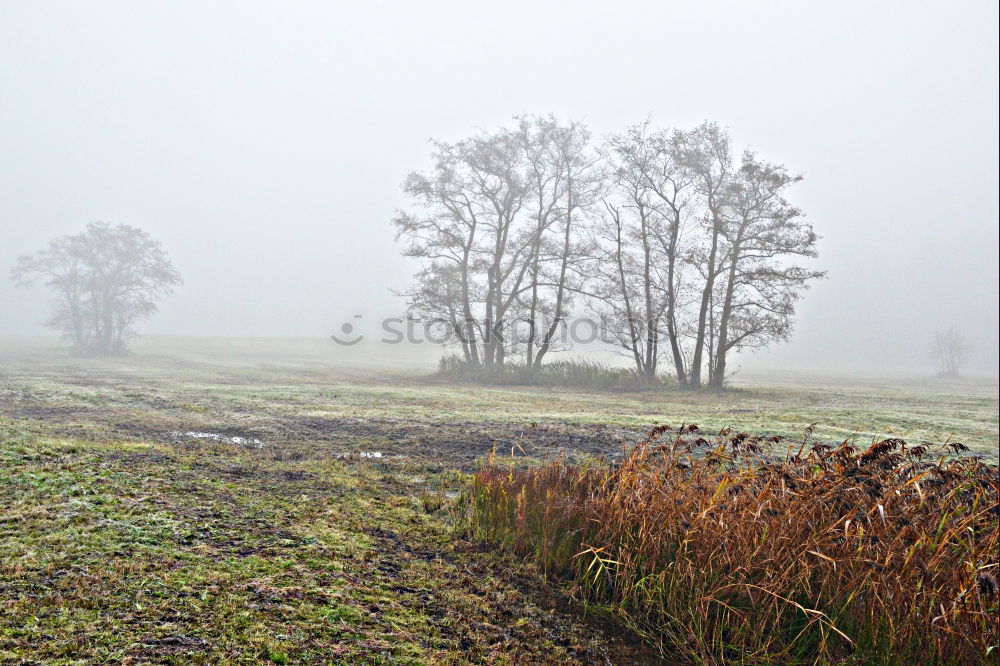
(243, 501)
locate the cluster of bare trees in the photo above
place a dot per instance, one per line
(105, 279)
(682, 249)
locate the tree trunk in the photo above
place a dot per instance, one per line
(532, 311)
(561, 287)
(722, 345)
(675, 346)
(706, 297)
(633, 335)
(469, 323)
(649, 361)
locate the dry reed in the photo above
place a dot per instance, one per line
(718, 552)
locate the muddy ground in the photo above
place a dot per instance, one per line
(164, 521)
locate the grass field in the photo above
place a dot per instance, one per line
(226, 500)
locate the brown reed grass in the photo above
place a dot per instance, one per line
(719, 552)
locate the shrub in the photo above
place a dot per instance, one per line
(578, 373)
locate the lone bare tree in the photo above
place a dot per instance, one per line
(949, 350)
(106, 279)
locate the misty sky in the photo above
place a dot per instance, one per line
(264, 143)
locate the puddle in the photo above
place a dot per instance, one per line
(363, 454)
(217, 437)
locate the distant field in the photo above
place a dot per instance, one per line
(278, 500)
(269, 380)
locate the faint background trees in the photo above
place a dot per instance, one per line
(106, 279)
(684, 251)
(949, 351)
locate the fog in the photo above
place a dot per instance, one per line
(264, 144)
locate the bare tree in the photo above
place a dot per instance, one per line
(497, 214)
(650, 164)
(950, 351)
(106, 280)
(707, 153)
(628, 291)
(445, 230)
(564, 180)
(548, 187)
(760, 230)
(470, 204)
(624, 292)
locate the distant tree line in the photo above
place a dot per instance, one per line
(105, 279)
(683, 250)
